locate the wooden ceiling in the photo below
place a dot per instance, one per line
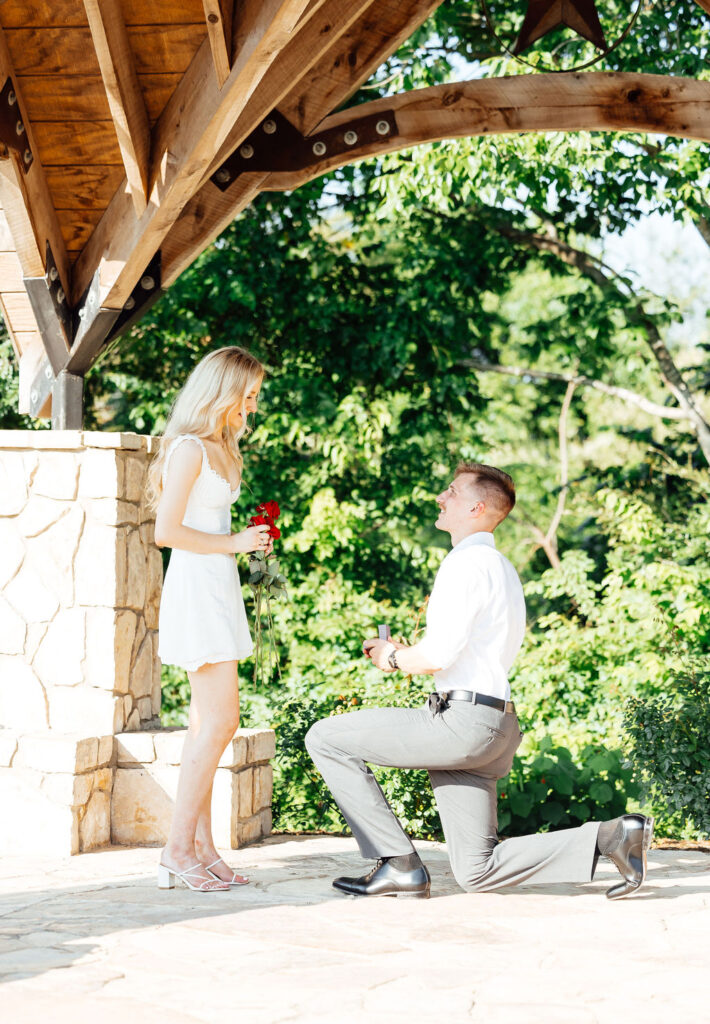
(133, 131)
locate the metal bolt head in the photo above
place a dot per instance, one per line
(12, 98)
(223, 175)
(269, 126)
(246, 151)
(319, 148)
(53, 274)
(147, 283)
(350, 138)
(82, 314)
(382, 127)
(27, 156)
(60, 295)
(34, 395)
(130, 302)
(19, 127)
(48, 372)
(212, 18)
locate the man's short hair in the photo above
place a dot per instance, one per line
(496, 487)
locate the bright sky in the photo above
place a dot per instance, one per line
(672, 260)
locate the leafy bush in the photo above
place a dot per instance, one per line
(546, 789)
(669, 737)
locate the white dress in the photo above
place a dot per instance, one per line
(202, 614)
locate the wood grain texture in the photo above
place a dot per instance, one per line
(188, 134)
(70, 51)
(10, 273)
(77, 142)
(77, 227)
(83, 97)
(124, 94)
(69, 13)
(84, 187)
(218, 16)
(341, 54)
(26, 200)
(591, 101)
(18, 311)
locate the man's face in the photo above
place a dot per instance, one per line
(457, 503)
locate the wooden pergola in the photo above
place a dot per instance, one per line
(133, 131)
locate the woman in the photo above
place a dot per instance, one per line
(203, 628)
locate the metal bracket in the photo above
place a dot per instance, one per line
(68, 402)
(92, 328)
(51, 310)
(277, 146)
(13, 135)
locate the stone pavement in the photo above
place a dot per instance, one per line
(92, 940)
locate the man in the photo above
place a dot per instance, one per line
(466, 734)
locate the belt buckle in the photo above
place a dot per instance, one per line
(444, 696)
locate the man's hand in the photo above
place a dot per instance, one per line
(378, 651)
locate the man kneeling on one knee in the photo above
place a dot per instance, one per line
(466, 734)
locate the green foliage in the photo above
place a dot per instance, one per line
(548, 789)
(669, 739)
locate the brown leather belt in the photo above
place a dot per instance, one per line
(437, 701)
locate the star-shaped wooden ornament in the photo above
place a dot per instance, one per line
(544, 15)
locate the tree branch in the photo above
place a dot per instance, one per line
(652, 408)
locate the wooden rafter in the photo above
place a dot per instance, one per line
(332, 56)
(218, 15)
(190, 131)
(705, 4)
(124, 94)
(613, 101)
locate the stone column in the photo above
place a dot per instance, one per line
(80, 581)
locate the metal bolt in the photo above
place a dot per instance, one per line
(246, 151)
(223, 175)
(34, 395)
(382, 127)
(319, 148)
(48, 372)
(212, 18)
(19, 127)
(269, 126)
(82, 314)
(91, 300)
(27, 156)
(350, 138)
(130, 302)
(147, 283)
(53, 274)
(11, 98)
(60, 295)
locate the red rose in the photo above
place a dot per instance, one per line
(274, 532)
(269, 508)
(260, 521)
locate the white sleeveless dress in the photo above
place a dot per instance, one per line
(202, 614)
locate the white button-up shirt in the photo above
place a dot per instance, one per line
(475, 620)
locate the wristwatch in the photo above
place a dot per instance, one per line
(392, 659)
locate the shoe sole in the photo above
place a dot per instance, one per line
(421, 895)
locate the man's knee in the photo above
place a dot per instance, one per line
(316, 736)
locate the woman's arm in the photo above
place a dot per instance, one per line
(185, 464)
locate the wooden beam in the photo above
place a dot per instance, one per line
(189, 132)
(218, 14)
(336, 49)
(591, 101)
(26, 199)
(705, 4)
(124, 94)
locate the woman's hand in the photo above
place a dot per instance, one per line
(254, 538)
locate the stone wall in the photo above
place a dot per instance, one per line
(80, 581)
(82, 756)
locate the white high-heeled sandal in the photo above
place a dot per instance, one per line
(167, 876)
(234, 874)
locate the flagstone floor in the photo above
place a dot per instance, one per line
(92, 939)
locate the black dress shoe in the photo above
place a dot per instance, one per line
(627, 850)
(386, 880)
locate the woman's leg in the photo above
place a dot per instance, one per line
(214, 717)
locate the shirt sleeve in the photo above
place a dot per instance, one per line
(460, 592)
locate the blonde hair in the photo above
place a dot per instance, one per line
(219, 383)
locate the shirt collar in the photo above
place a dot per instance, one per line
(483, 537)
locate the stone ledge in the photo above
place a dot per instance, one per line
(73, 440)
